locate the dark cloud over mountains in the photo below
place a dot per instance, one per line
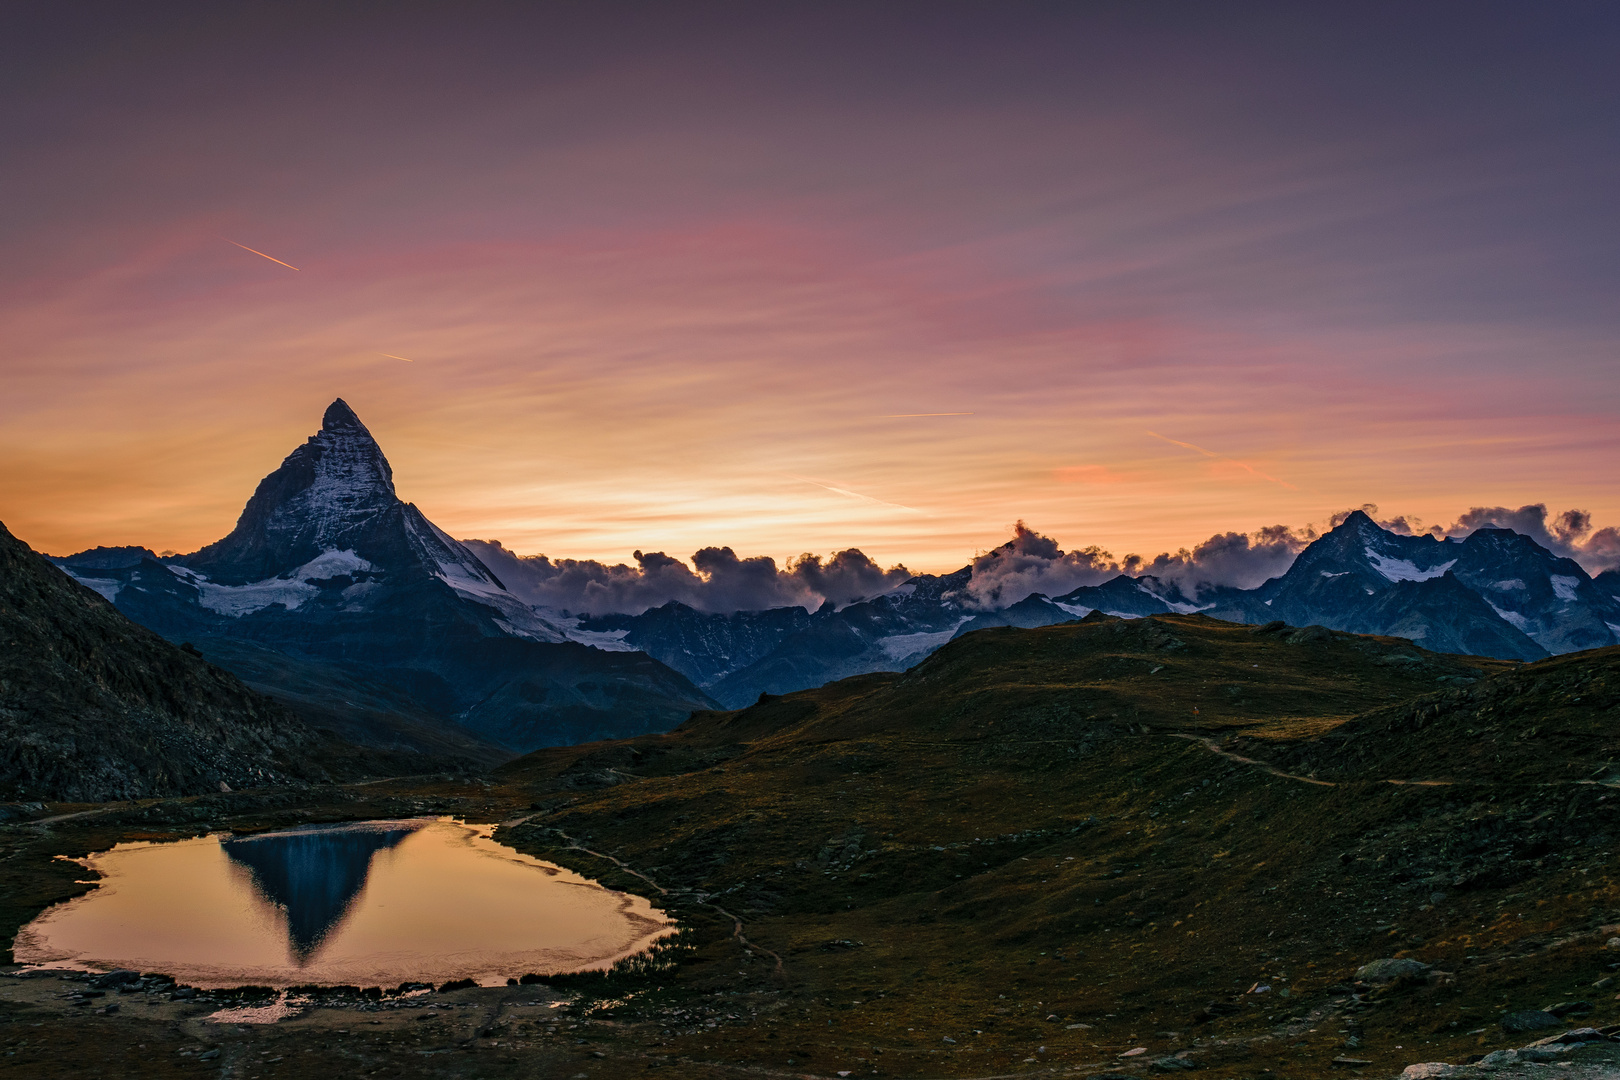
(719, 580)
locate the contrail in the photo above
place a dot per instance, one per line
(391, 356)
(852, 494)
(260, 254)
(900, 415)
(1223, 457)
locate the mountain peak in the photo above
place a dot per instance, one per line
(339, 417)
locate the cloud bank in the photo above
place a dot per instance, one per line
(1031, 563)
(718, 580)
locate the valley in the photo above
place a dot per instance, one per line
(1032, 854)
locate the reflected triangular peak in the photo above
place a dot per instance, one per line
(314, 873)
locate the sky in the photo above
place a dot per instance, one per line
(800, 277)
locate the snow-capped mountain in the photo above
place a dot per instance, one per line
(328, 564)
(1493, 593)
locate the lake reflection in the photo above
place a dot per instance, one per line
(313, 874)
(371, 904)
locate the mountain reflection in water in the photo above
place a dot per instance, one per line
(314, 873)
(320, 906)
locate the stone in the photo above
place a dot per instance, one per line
(1574, 1037)
(208, 1055)
(1425, 1070)
(1170, 1064)
(1565, 1008)
(117, 977)
(1529, 1020)
(1350, 1063)
(1136, 1051)
(1498, 1058)
(1391, 970)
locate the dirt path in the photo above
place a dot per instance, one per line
(736, 923)
(1209, 744)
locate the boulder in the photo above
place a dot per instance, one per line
(1529, 1020)
(1383, 972)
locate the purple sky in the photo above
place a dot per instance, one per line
(672, 275)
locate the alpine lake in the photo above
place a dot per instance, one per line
(372, 903)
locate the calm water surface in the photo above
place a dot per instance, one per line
(373, 903)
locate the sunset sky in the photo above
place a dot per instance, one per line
(798, 277)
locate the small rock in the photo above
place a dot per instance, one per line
(1425, 1070)
(1543, 1053)
(1528, 1020)
(1350, 1063)
(108, 1010)
(1137, 1051)
(1170, 1064)
(1603, 983)
(1565, 1008)
(950, 1040)
(1498, 1058)
(1391, 970)
(208, 1055)
(1574, 1037)
(117, 977)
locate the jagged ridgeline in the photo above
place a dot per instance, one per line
(94, 707)
(352, 608)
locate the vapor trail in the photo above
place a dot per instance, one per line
(260, 254)
(391, 356)
(1222, 457)
(848, 494)
(900, 415)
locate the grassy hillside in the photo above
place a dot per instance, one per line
(1053, 846)
(1032, 854)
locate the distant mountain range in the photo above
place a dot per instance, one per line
(351, 606)
(1496, 593)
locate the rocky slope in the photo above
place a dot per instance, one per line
(94, 707)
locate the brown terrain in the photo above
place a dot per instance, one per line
(1105, 848)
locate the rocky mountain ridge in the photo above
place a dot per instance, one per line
(328, 567)
(329, 564)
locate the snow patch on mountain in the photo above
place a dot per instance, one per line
(290, 591)
(107, 587)
(1403, 569)
(1509, 585)
(1519, 622)
(1564, 587)
(900, 646)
